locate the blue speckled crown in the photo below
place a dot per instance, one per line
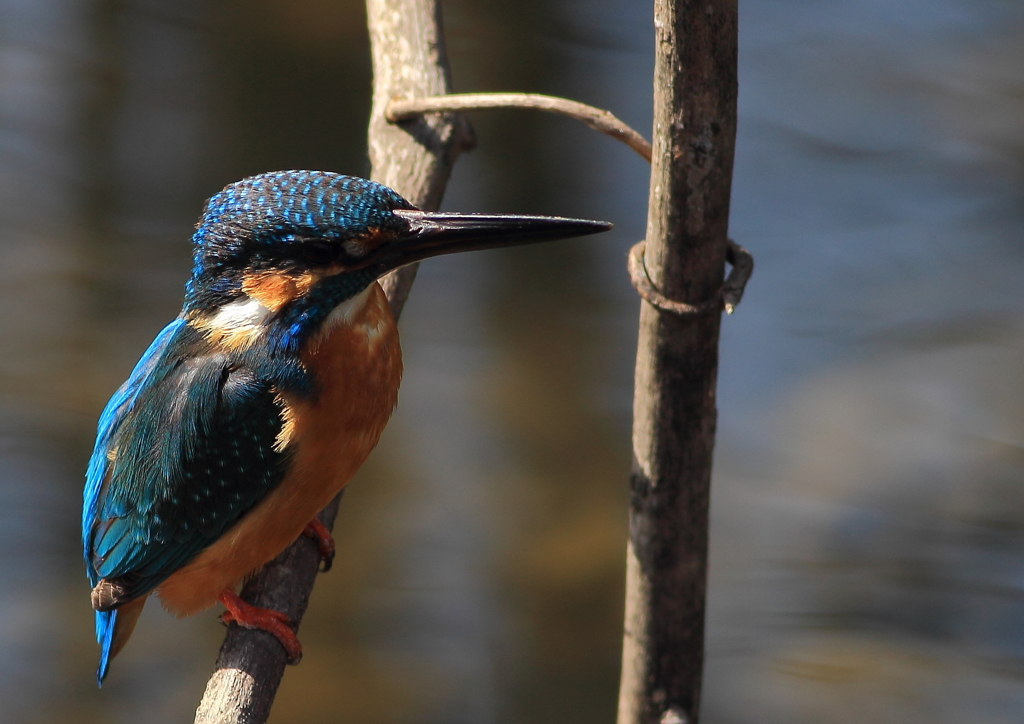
(279, 207)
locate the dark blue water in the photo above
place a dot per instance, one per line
(868, 519)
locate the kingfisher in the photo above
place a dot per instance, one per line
(253, 408)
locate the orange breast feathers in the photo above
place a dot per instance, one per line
(356, 361)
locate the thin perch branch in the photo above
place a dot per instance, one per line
(408, 57)
(404, 109)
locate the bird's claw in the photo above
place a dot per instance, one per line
(324, 542)
(265, 619)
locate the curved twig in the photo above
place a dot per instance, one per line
(726, 298)
(736, 283)
(404, 109)
(650, 294)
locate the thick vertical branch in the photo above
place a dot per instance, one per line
(677, 361)
(415, 159)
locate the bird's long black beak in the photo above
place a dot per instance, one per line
(432, 233)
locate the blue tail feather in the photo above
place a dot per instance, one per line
(105, 623)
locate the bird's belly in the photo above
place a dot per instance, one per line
(357, 363)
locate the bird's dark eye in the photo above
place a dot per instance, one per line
(320, 252)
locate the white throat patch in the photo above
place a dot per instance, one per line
(235, 315)
(237, 324)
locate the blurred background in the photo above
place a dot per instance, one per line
(868, 512)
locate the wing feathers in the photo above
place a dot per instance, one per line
(186, 448)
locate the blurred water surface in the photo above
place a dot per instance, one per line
(868, 513)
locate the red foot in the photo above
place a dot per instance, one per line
(324, 542)
(275, 622)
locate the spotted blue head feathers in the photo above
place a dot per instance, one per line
(287, 220)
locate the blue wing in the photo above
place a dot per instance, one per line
(184, 449)
(120, 403)
(117, 407)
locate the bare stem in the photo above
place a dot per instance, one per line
(404, 109)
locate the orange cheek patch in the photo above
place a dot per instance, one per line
(274, 290)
